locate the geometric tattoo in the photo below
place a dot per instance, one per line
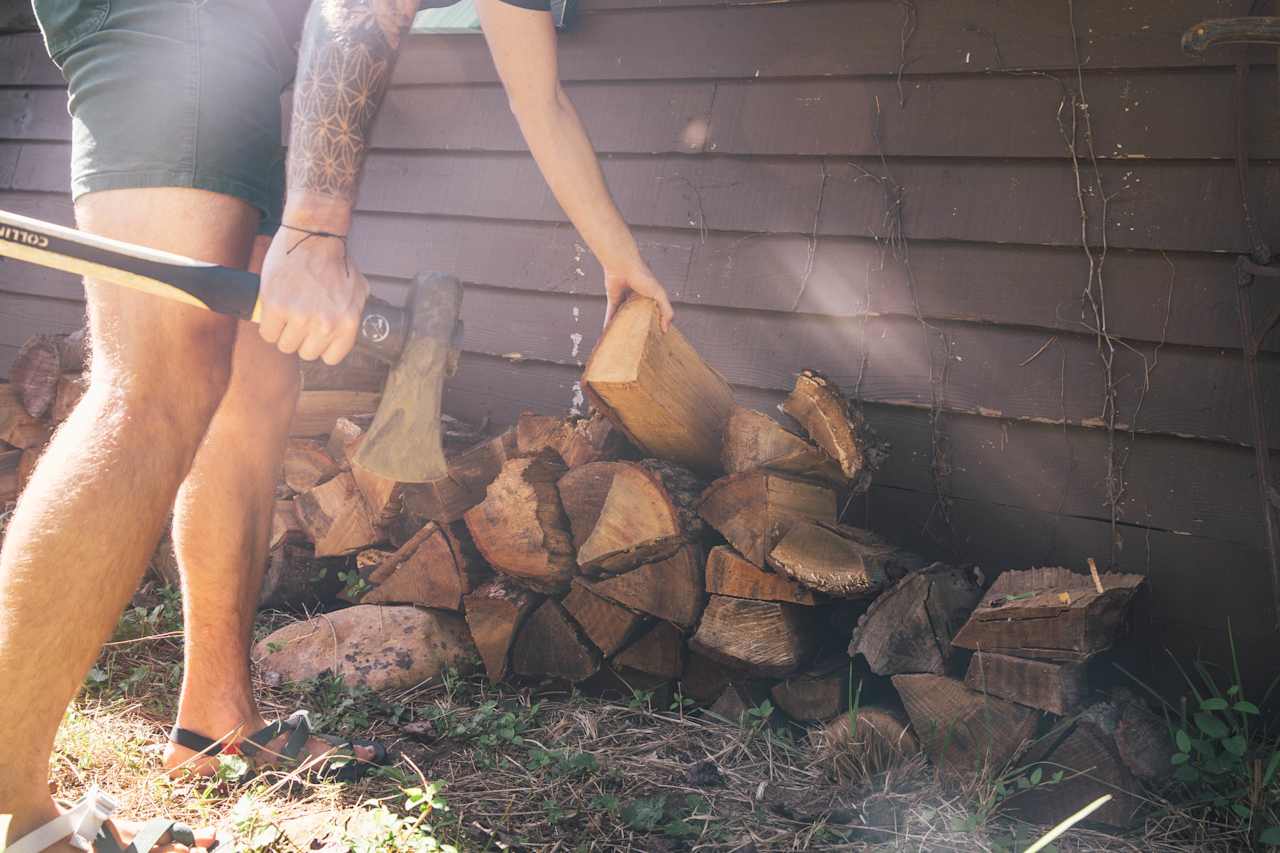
(344, 65)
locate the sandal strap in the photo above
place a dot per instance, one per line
(149, 836)
(79, 825)
(196, 742)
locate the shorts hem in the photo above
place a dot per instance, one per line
(258, 197)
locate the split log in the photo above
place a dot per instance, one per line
(576, 440)
(819, 406)
(755, 509)
(606, 624)
(549, 644)
(285, 526)
(671, 589)
(582, 493)
(520, 527)
(1091, 767)
(40, 366)
(17, 428)
(815, 695)
(536, 433)
(766, 637)
(754, 440)
(825, 558)
(71, 387)
(470, 474)
(876, 740)
(908, 629)
(704, 679)
(729, 573)
(1050, 613)
(342, 441)
(1058, 688)
(963, 732)
(647, 515)
(318, 411)
(495, 613)
(307, 464)
(381, 648)
(435, 568)
(335, 517)
(659, 651)
(655, 387)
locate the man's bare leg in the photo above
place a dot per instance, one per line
(96, 504)
(221, 532)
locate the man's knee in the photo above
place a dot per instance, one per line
(264, 381)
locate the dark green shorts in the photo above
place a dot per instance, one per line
(173, 93)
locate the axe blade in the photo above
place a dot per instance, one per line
(404, 442)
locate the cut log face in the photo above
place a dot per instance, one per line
(1059, 688)
(766, 637)
(824, 412)
(495, 612)
(582, 493)
(822, 557)
(335, 517)
(646, 516)
(606, 624)
(1050, 613)
(704, 679)
(35, 372)
(470, 474)
(851, 751)
(656, 388)
(549, 644)
(1091, 767)
(755, 509)
(659, 651)
(671, 589)
(755, 440)
(307, 464)
(962, 731)
(284, 525)
(815, 695)
(908, 629)
(731, 574)
(433, 569)
(17, 428)
(520, 527)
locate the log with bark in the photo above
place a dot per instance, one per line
(908, 629)
(647, 514)
(495, 613)
(39, 366)
(551, 645)
(755, 509)
(521, 529)
(729, 573)
(827, 558)
(1050, 613)
(576, 440)
(17, 428)
(605, 623)
(755, 440)
(71, 387)
(963, 732)
(335, 517)
(471, 471)
(655, 387)
(670, 589)
(1057, 687)
(766, 637)
(827, 417)
(435, 568)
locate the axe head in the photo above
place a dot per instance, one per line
(404, 441)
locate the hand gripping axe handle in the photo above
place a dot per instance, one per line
(403, 443)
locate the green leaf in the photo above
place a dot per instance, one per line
(1211, 726)
(1183, 740)
(1236, 745)
(1214, 704)
(1233, 690)
(1057, 777)
(1244, 707)
(1242, 811)
(1179, 758)
(644, 814)
(1036, 776)
(1271, 836)
(1271, 768)
(1186, 773)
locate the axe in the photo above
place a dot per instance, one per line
(419, 341)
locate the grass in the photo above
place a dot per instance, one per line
(483, 768)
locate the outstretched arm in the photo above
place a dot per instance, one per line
(311, 294)
(523, 44)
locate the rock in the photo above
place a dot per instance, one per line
(381, 648)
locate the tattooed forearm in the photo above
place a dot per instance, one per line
(347, 49)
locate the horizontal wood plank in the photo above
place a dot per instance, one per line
(842, 38)
(24, 62)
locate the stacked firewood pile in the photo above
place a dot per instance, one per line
(676, 542)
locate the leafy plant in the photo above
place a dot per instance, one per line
(384, 831)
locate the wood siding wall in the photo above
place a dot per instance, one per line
(755, 147)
